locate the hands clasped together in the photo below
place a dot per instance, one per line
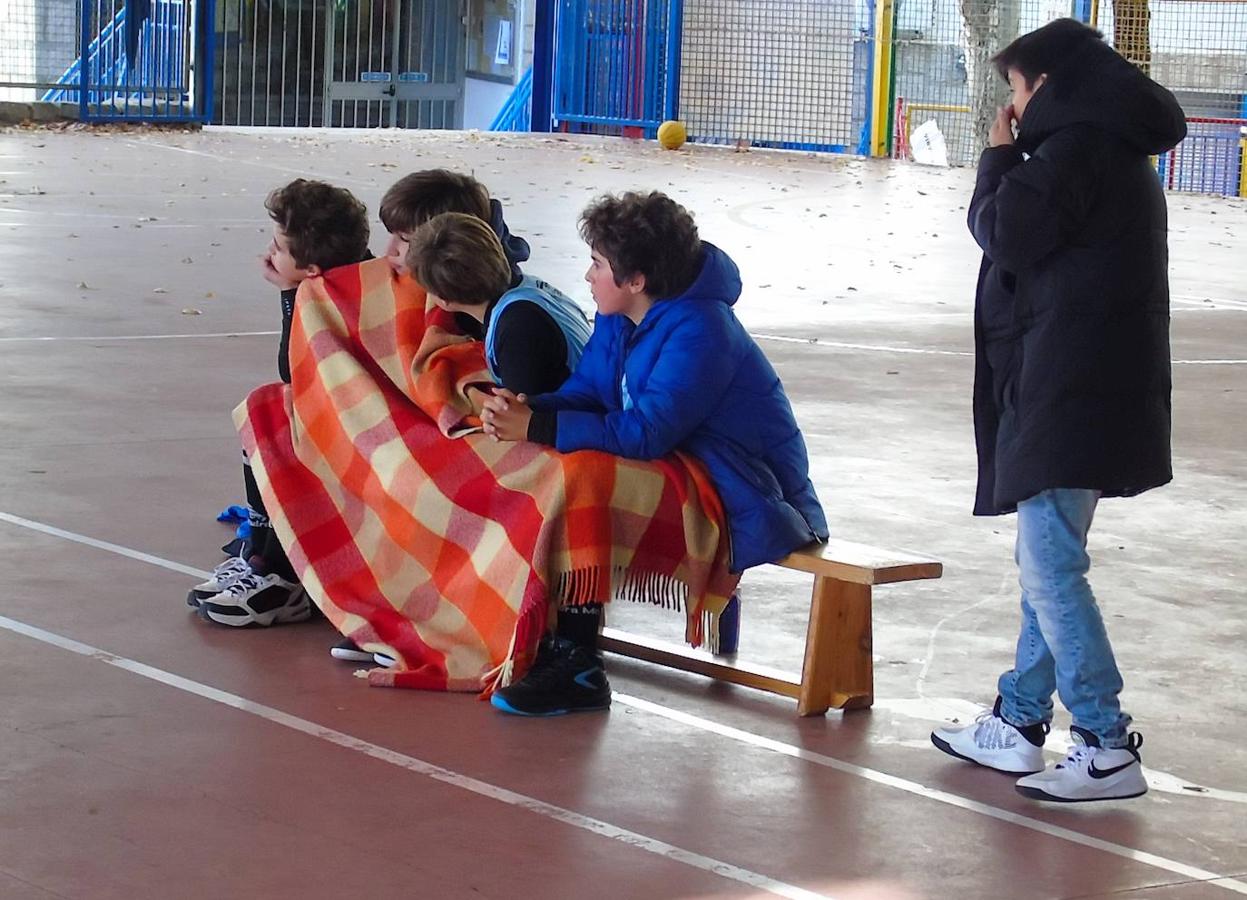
(506, 416)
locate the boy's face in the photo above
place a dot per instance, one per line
(628, 299)
(1022, 93)
(280, 267)
(396, 251)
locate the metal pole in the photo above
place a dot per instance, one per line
(84, 46)
(205, 67)
(675, 38)
(543, 65)
(882, 80)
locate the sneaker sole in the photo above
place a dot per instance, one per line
(283, 615)
(1032, 793)
(943, 745)
(500, 704)
(350, 655)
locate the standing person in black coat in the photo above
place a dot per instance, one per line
(1072, 384)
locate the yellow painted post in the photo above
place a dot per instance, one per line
(881, 102)
(1242, 166)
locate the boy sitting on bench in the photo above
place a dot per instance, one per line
(669, 367)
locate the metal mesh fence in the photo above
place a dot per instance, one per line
(1197, 49)
(943, 71)
(353, 64)
(136, 61)
(612, 65)
(782, 73)
(38, 44)
(270, 62)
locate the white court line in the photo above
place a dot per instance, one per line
(336, 178)
(842, 345)
(736, 734)
(880, 348)
(420, 767)
(102, 545)
(884, 348)
(140, 337)
(170, 222)
(920, 790)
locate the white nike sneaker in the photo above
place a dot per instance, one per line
(994, 743)
(1090, 772)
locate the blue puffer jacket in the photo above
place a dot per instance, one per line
(690, 378)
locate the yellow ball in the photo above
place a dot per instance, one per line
(672, 135)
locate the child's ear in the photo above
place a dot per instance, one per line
(636, 283)
(314, 271)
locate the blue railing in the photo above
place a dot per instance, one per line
(149, 79)
(517, 113)
(617, 64)
(1209, 161)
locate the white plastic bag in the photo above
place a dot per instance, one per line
(927, 146)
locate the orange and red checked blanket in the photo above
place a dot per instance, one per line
(420, 536)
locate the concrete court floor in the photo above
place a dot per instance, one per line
(133, 318)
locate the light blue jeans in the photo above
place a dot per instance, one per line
(1063, 646)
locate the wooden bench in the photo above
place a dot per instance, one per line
(839, 669)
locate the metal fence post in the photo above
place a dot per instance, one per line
(881, 80)
(543, 66)
(675, 34)
(205, 61)
(84, 58)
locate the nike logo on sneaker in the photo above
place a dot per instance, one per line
(1106, 773)
(585, 679)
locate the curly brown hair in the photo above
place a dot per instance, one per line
(326, 226)
(647, 234)
(414, 199)
(459, 258)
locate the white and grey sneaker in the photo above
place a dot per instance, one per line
(994, 743)
(1090, 772)
(223, 576)
(257, 600)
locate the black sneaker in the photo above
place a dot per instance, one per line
(564, 678)
(346, 649)
(255, 600)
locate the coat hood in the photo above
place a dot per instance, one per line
(514, 246)
(718, 280)
(1096, 86)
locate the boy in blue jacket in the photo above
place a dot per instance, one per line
(669, 367)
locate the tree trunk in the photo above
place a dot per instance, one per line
(987, 26)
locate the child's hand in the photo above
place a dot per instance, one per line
(1001, 133)
(271, 275)
(506, 416)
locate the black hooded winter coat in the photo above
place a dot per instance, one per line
(1072, 382)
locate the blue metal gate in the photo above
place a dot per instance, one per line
(617, 64)
(140, 60)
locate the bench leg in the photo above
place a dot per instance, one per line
(839, 669)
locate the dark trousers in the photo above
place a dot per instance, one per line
(267, 554)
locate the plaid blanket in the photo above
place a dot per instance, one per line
(421, 537)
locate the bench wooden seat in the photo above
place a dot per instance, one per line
(839, 669)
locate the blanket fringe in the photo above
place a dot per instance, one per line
(578, 587)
